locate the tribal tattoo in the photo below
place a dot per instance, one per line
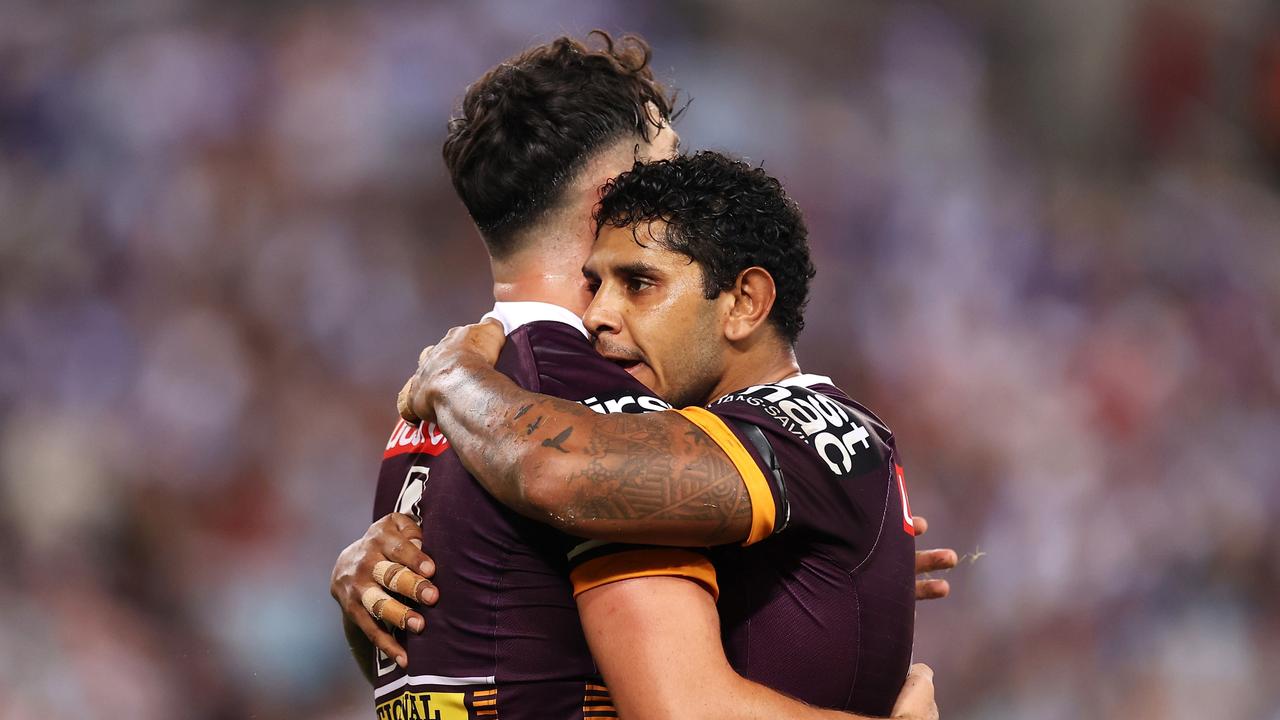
(650, 477)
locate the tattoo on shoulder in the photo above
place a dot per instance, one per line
(557, 442)
(522, 411)
(537, 423)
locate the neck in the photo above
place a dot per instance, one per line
(550, 279)
(762, 365)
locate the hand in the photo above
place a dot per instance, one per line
(388, 556)
(916, 701)
(928, 561)
(470, 343)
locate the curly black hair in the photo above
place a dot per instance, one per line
(724, 215)
(531, 123)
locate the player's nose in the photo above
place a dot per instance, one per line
(600, 318)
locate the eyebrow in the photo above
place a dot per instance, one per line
(637, 268)
(631, 268)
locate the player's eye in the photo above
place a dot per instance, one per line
(593, 286)
(638, 284)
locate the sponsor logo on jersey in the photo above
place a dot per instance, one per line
(831, 429)
(408, 438)
(625, 403)
(425, 706)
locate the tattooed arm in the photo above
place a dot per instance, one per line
(651, 478)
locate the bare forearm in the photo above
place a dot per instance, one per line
(657, 642)
(746, 700)
(502, 432)
(651, 478)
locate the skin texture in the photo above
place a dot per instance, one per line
(651, 291)
(649, 302)
(632, 478)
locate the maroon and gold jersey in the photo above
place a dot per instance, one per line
(818, 603)
(504, 642)
(821, 604)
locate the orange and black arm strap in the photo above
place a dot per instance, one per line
(767, 514)
(769, 458)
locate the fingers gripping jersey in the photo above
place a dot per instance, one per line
(822, 604)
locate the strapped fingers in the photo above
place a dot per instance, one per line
(385, 608)
(402, 581)
(380, 638)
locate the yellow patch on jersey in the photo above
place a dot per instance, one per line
(425, 706)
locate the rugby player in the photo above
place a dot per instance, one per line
(701, 272)
(527, 160)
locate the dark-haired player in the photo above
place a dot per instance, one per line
(537, 137)
(701, 273)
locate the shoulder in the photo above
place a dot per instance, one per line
(815, 418)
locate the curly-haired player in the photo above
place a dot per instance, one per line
(700, 274)
(537, 137)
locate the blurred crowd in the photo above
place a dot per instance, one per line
(1048, 242)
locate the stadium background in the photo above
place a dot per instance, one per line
(1048, 236)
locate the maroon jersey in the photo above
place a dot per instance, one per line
(504, 641)
(821, 606)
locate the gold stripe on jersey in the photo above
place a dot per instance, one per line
(763, 511)
(645, 562)
(596, 703)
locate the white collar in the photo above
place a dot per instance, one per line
(805, 380)
(513, 315)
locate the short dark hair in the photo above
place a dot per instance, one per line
(726, 216)
(530, 124)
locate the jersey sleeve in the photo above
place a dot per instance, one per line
(595, 563)
(802, 455)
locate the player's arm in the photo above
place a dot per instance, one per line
(655, 478)
(657, 643)
(652, 478)
(647, 478)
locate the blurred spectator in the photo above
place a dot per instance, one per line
(1048, 251)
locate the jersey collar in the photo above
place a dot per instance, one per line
(514, 315)
(805, 380)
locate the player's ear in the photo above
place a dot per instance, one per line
(753, 294)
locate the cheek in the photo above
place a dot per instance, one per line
(694, 358)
